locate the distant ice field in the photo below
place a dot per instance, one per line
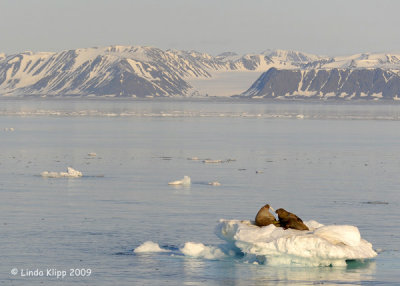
(212, 107)
(336, 164)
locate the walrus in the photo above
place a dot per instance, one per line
(264, 217)
(289, 220)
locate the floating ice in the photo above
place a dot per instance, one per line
(194, 158)
(149, 246)
(320, 246)
(185, 181)
(92, 154)
(200, 250)
(376, 203)
(71, 173)
(215, 183)
(210, 161)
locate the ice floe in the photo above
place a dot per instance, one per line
(216, 161)
(330, 245)
(186, 181)
(211, 161)
(200, 250)
(376, 203)
(149, 246)
(322, 245)
(71, 173)
(194, 158)
(215, 183)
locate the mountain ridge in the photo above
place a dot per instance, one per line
(347, 84)
(142, 71)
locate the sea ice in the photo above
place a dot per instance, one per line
(320, 246)
(71, 173)
(211, 161)
(215, 183)
(194, 158)
(149, 246)
(200, 250)
(185, 181)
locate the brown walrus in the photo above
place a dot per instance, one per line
(289, 220)
(264, 217)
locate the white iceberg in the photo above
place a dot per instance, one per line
(320, 246)
(211, 161)
(194, 158)
(149, 246)
(185, 181)
(200, 250)
(71, 173)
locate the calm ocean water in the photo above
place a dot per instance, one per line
(333, 163)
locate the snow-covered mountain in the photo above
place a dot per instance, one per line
(138, 71)
(128, 70)
(116, 71)
(360, 76)
(361, 83)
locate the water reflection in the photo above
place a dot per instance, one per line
(235, 272)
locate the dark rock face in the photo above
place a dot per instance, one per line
(327, 83)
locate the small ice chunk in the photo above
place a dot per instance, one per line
(194, 158)
(210, 161)
(185, 181)
(376, 203)
(71, 173)
(215, 183)
(200, 250)
(92, 154)
(149, 246)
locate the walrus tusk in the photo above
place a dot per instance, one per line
(272, 209)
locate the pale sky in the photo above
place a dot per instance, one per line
(335, 27)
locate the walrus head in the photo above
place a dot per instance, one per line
(281, 212)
